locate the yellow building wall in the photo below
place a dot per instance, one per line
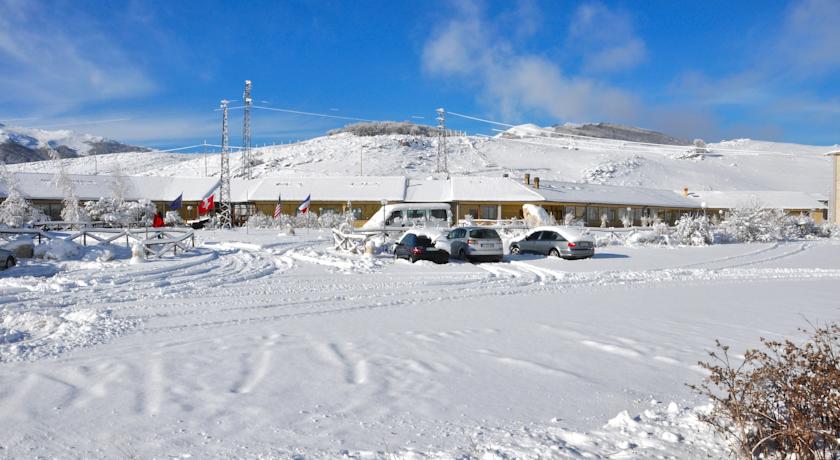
(835, 203)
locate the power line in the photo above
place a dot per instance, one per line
(299, 112)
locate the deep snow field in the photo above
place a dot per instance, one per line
(264, 346)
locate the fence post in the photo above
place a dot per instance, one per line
(84, 237)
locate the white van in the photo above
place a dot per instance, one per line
(401, 215)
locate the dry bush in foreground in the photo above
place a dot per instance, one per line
(780, 402)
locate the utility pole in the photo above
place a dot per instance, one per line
(224, 174)
(246, 131)
(442, 165)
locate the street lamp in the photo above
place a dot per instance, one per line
(384, 217)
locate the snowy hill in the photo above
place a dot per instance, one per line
(597, 130)
(19, 145)
(730, 165)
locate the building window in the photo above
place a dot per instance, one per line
(489, 212)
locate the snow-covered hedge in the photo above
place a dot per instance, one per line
(311, 220)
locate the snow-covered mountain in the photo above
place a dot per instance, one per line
(19, 145)
(730, 165)
(598, 130)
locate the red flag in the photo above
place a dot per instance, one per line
(206, 205)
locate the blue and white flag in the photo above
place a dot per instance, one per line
(176, 204)
(304, 207)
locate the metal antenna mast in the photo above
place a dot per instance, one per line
(246, 131)
(442, 165)
(224, 174)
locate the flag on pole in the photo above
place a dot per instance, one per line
(279, 208)
(176, 204)
(206, 205)
(304, 207)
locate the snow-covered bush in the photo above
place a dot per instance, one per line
(627, 220)
(534, 216)
(753, 223)
(379, 128)
(644, 237)
(692, 231)
(116, 213)
(260, 220)
(173, 219)
(829, 230)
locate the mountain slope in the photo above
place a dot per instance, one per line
(731, 165)
(19, 145)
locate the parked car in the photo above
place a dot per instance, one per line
(414, 247)
(473, 244)
(565, 242)
(7, 259)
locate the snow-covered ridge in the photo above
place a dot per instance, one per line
(18, 144)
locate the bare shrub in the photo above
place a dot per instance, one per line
(780, 402)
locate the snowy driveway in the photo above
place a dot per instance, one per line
(259, 346)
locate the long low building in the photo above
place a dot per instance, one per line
(489, 198)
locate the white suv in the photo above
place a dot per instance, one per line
(473, 243)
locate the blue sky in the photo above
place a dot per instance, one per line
(152, 73)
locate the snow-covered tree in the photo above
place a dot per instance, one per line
(15, 210)
(72, 211)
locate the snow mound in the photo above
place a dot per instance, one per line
(32, 335)
(59, 250)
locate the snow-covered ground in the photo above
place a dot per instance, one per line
(258, 346)
(730, 165)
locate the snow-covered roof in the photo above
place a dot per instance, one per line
(571, 192)
(476, 188)
(768, 198)
(428, 191)
(90, 187)
(468, 188)
(359, 188)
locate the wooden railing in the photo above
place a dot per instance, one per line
(155, 241)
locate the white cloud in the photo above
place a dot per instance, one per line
(58, 64)
(810, 37)
(514, 82)
(606, 39)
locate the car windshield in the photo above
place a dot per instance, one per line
(484, 234)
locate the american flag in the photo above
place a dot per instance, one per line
(278, 208)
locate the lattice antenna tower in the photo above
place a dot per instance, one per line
(224, 176)
(246, 131)
(442, 164)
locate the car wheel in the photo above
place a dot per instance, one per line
(10, 262)
(554, 252)
(463, 255)
(515, 250)
(412, 259)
